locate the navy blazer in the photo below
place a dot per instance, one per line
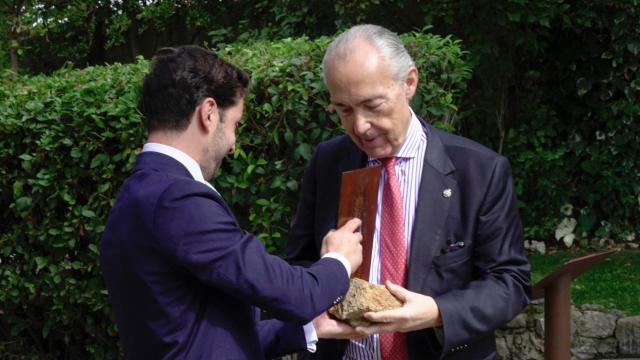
(186, 281)
(467, 249)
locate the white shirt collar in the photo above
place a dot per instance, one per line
(415, 134)
(184, 159)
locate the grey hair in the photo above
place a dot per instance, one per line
(388, 44)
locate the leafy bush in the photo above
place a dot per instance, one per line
(574, 136)
(68, 141)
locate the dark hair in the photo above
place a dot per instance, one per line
(180, 78)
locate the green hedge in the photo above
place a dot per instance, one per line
(67, 142)
(573, 119)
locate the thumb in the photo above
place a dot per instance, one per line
(398, 291)
(351, 225)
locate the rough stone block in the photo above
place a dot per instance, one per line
(628, 335)
(520, 321)
(584, 348)
(526, 347)
(363, 297)
(607, 346)
(502, 349)
(589, 348)
(596, 324)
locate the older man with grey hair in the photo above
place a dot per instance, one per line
(448, 241)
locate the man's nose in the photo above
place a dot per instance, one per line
(360, 124)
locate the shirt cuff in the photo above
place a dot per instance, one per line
(342, 259)
(311, 336)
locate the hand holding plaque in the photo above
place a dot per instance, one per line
(359, 198)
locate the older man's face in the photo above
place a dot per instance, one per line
(372, 106)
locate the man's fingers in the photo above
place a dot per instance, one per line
(327, 327)
(371, 329)
(346, 331)
(398, 291)
(352, 225)
(386, 316)
(374, 329)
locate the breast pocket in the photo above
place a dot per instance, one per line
(452, 258)
(451, 271)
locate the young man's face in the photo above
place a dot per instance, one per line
(223, 139)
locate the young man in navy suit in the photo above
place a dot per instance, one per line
(447, 223)
(185, 281)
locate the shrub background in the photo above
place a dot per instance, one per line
(67, 142)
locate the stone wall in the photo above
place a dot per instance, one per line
(596, 333)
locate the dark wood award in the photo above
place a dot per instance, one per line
(359, 198)
(556, 290)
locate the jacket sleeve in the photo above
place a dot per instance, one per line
(196, 229)
(279, 338)
(501, 285)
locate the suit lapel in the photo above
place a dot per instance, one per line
(354, 159)
(431, 211)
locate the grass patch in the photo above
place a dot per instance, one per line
(614, 283)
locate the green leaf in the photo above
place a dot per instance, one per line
(99, 160)
(41, 262)
(94, 249)
(303, 151)
(515, 17)
(23, 203)
(88, 213)
(288, 137)
(76, 153)
(68, 198)
(292, 185)
(46, 329)
(583, 86)
(17, 188)
(262, 202)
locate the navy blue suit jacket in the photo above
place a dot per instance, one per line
(187, 282)
(478, 287)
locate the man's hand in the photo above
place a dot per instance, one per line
(346, 241)
(417, 312)
(328, 328)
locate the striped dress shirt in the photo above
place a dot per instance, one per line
(409, 163)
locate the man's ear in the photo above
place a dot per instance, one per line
(411, 82)
(208, 114)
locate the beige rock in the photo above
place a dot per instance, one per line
(363, 297)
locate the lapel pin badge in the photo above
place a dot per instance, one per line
(446, 193)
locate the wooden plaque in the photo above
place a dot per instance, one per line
(359, 198)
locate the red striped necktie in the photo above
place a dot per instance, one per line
(393, 251)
